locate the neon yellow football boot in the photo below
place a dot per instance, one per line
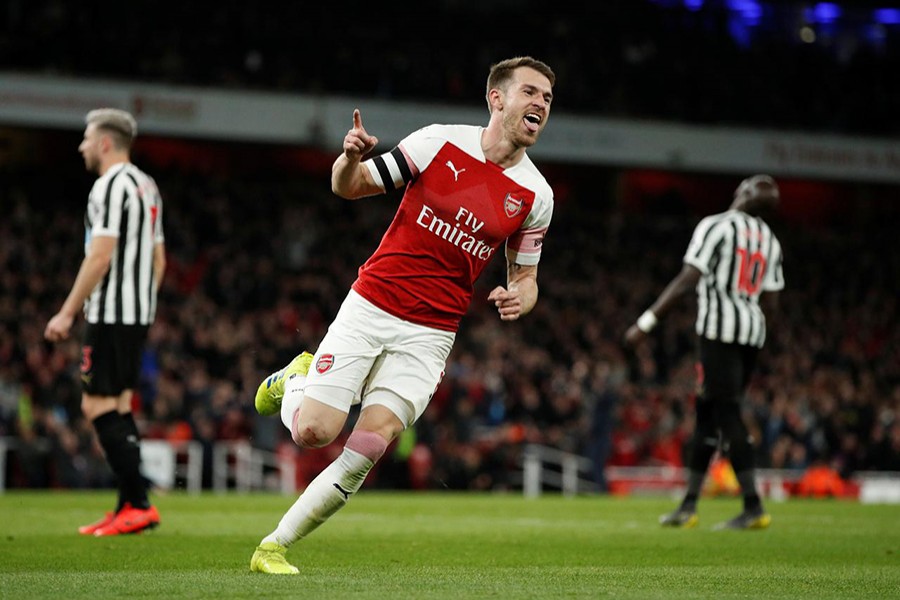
(271, 390)
(684, 518)
(269, 558)
(755, 519)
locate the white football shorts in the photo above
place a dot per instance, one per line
(370, 357)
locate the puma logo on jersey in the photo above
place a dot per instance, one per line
(456, 173)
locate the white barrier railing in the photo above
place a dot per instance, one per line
(165, 462)
(879, 487)
(235, 465)
(246, 466)
(546, 466)
(239, 466)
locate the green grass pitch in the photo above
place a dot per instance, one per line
(450, 545)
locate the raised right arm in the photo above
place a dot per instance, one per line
(349, 178)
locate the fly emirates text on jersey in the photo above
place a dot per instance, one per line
(452, 233)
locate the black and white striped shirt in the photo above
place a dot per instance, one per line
(739, 258)
(125, 203)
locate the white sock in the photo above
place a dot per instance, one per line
(293, 396)
(324, 496)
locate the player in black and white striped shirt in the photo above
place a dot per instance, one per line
(732, 261)
(116, 287)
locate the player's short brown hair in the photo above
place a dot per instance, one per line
(502, 72)
(118, 123)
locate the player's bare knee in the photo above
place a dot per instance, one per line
(311, 434)
(311, 437)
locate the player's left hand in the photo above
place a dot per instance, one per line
(508, 303)
(58, 327)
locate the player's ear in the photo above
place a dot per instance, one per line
(105, 142)
(495, 99)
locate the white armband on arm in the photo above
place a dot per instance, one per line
(647, 321)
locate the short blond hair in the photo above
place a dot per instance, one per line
(119, 123)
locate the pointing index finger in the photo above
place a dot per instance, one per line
(357, 119)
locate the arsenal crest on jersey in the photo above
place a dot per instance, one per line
(324, 363)
(512, 206)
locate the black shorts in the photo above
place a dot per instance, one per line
(726, 369)
(111, 358)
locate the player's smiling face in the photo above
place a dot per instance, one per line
(526, 106)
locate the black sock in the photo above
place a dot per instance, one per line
(123, 453)
(129, 420)
(694, 487)
(132, 426)
(747, 480)
(702, 450)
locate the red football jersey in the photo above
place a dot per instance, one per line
(457, 210)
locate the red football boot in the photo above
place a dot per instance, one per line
(90, 529)
(130, 520)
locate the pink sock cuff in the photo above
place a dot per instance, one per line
(368, 443)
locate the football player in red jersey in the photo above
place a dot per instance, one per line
(469, 190)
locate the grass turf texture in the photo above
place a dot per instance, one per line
(400, 545)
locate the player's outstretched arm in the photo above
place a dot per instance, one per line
(349, 178)
(684, 282)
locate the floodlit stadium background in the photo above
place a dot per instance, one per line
(660, 109)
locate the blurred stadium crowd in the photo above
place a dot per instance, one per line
(259, 259)
(259, 262)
